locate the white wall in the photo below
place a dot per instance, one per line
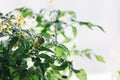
(102, 12)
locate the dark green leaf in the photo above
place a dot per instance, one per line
(27, 45)
(100, 27)
(47, 58)
(12, 42)
(18, 51)
(39, 20)
(45, 49)
(63, 66)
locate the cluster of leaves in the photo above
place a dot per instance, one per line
(49, 58)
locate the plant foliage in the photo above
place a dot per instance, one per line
(30, 54)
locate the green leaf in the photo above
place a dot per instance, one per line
(87, 53)
(100, 27)
(80, 74)
(61, 50)
(63, 66)
(12, 42)
(70, 74)
(66, 50)
(72, 13)
(88, 24)
(18, 51)
(55, 75)
(62, 13)
(1, 48)
(67, 39)
(35, 77)
(22, 75)
(45, 49)
(91, 25)
(25, 11)
(39, 20)
(47, 58)
(100, 58)
(76, 52)
(27, 44)
(74, 31)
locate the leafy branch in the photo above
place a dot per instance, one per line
(49, 58)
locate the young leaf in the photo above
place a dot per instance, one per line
(72, 13)
(100, 58)
(80, 74)
(74, 31)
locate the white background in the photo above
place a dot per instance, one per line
(102, 12)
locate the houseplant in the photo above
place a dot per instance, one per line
(49, 57)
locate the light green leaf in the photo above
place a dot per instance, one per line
(61, 50)
(100, 58)
(25, 11)
(74, 31)
(80, 74)
(72, 13)
(66, 50)
(66, 40)
(76, 52)
(87, 53)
